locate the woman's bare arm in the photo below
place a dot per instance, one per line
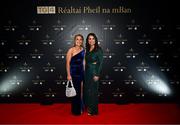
(68, 59)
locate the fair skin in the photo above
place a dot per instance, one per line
(91, 41)
(72, 52)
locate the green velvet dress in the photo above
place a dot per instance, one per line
(91, 86)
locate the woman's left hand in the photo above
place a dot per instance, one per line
(96, 78)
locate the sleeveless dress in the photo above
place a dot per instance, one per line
(77, 74)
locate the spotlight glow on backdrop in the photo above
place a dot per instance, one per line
(156, 84)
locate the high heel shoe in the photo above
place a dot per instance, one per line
(90, 114)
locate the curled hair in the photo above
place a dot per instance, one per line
(75, 39)
(96, 46)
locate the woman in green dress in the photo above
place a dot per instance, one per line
(93, 66)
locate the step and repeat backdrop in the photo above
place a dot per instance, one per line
(139, 39)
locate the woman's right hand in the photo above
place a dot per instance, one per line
(69, 77)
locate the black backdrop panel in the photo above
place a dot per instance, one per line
(139, 40)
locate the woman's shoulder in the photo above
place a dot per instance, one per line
(100, 49)
(70, 49)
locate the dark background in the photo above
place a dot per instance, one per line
(150, 33)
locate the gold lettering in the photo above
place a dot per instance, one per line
(46, 10)
(70, 10)
(121, 9)
(88, 9)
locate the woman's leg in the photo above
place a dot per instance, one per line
(76, 101)
(82, 101)
(93, 98)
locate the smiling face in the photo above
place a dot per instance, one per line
(78, 41)
(91, 40)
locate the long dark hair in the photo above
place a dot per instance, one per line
(96, 46)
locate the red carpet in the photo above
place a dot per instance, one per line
(109, 113)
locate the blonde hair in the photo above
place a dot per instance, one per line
(75, 39)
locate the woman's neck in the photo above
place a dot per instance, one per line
(78, 47)
(91, 47)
